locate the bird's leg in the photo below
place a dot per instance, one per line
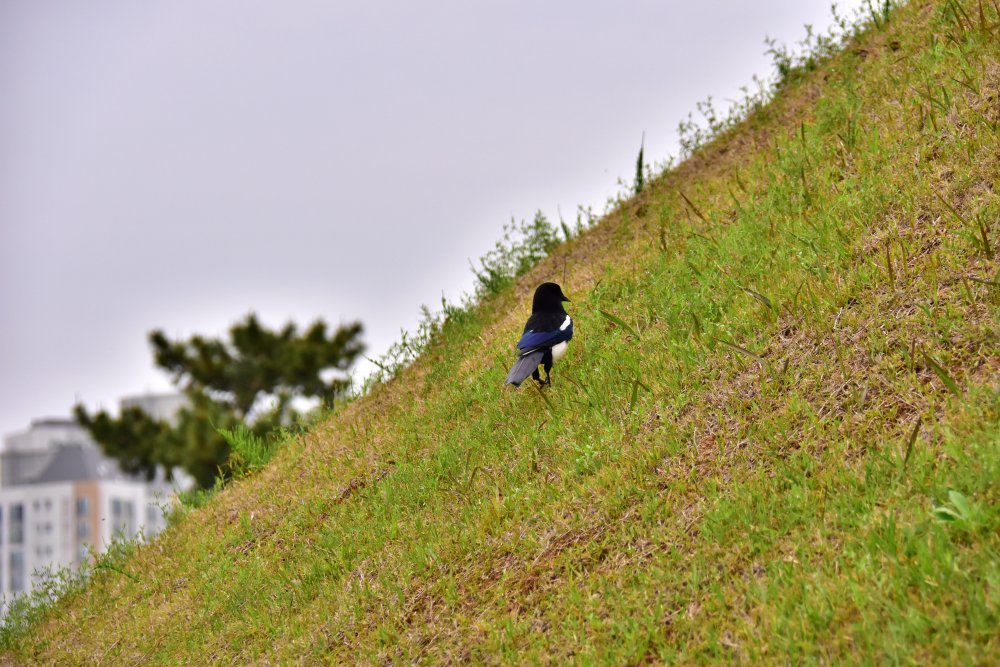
(537, 377)
(547, 362)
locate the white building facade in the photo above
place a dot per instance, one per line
(62, 501)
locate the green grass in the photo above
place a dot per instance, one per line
(776, 437)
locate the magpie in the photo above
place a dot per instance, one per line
(545, 336)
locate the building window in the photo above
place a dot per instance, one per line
(16, 572)
(82, 506)
(122, 517)
(83, 530)
(16, 524)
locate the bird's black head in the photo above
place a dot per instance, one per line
(548, 296)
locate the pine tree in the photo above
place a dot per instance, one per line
(252, 377)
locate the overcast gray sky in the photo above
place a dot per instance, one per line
(177, 164)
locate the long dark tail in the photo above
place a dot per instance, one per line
(524, 367)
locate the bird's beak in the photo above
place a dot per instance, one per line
(565, 298)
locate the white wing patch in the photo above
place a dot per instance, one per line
(565, 325)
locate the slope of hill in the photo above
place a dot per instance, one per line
(776, 436)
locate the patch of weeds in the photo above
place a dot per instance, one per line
(411, 345)
(192, 499)
(248, 451)
(23, 611)
(960, 512)
(789, 65)
(522, 246)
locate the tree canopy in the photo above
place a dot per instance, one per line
(251, 377)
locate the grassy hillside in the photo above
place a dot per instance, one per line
(776, 437)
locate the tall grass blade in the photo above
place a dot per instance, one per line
(951, 208)
(984, 281)
(636, 383)
(942, 374)
(620, 322)
(742, 350)
(987, 248)
(694, 208)
(548, 403)
(910, 442)
(697, 325)
(760, 297)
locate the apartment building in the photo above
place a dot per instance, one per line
(61, 499)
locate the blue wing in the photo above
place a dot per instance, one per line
(533, 340)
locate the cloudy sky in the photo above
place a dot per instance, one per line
(177, 164)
